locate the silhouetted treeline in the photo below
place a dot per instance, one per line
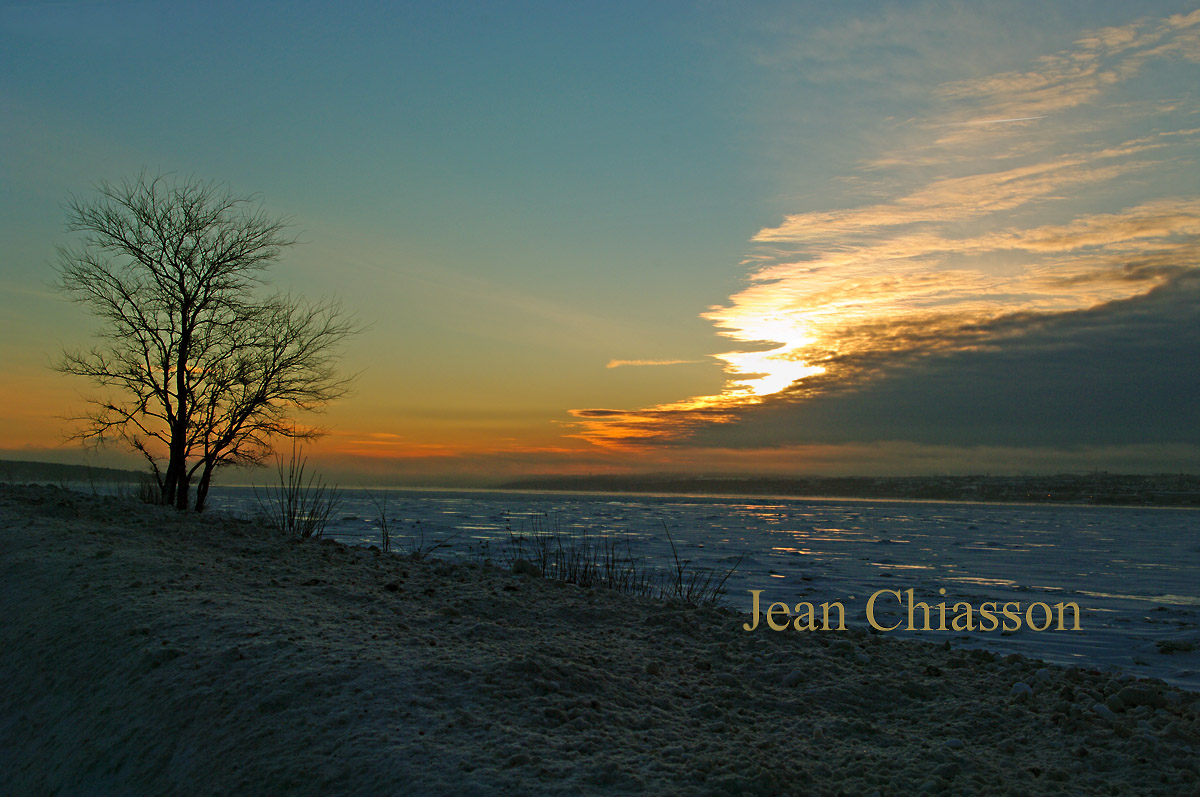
(15, 470)
(1091, 488)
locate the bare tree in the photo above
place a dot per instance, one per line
(200, 369)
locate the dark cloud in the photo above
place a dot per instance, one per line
(1127, 372)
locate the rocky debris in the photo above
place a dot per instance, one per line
(1021, 691)
(524, 567)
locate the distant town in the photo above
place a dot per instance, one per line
(1100, 487)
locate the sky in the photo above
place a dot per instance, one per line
(671, 237)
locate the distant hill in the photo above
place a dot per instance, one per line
(1173, 489)
(19, 471)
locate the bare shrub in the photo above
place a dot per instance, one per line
(607, 560)
(695, 585)
(381, 516)
(297, 506)
(417, 548)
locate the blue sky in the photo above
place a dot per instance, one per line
(516, 195)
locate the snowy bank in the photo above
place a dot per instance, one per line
(151, 653)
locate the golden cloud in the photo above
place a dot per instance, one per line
(983, 233)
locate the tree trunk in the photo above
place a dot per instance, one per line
(202, 485)
(181, 491)
(179, 429)
(169, 481)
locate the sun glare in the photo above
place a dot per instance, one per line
(767, 372)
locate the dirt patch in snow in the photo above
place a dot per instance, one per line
(147, 652)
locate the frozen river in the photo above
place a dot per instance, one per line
(1133, 572)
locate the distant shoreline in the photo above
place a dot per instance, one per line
(1170, 490)
(1104, 489)
(13, 470)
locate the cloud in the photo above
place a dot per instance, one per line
(623, 363)
(959, 198)
(998, 121)
(1114, 375)
(1077, 76)
(1024, 220)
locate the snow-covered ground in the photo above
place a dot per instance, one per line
(147, 653)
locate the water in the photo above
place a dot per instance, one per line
(1134, 572)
